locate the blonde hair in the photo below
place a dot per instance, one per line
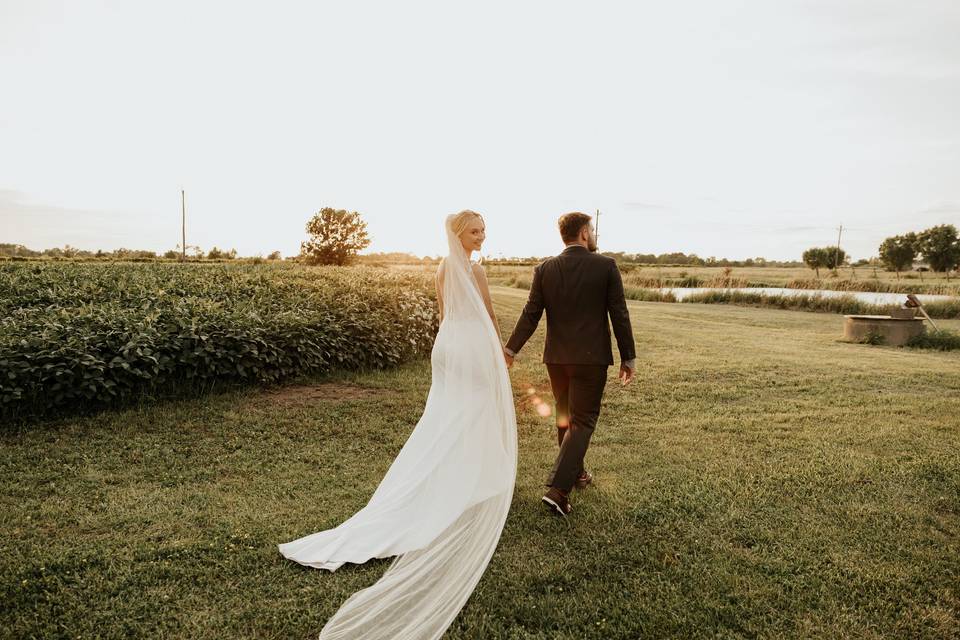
(459, 221)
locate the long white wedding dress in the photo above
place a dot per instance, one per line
(441, 506)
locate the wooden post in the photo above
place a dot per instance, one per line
(836, 255)
(183, 228)
(596, 230)
(913, 301)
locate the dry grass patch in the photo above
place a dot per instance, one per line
(309, 394)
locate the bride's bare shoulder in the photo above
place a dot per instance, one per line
(478, 270)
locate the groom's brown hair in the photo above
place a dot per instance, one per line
(571, 224)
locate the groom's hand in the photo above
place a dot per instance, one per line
(626, 374)
(508, 358)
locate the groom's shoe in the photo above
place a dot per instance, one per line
(583, 479)
(557, 502)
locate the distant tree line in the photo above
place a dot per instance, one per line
(394, 257)
(67, 252)
(693, 260)
(938, 246)
(664, 259)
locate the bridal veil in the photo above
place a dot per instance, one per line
(441, 506)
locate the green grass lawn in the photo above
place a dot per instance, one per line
(760, 479)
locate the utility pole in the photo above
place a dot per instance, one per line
(596, 230)
(836, 256)
(183, 226)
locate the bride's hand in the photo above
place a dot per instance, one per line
(508, 358)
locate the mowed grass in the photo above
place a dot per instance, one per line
(760, 479)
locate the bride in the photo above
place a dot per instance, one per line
(441, 506)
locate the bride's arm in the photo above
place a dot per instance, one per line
(481, 277)
(439, 280)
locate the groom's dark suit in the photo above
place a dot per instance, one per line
(579, 290)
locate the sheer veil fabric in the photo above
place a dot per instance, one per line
(442, 505)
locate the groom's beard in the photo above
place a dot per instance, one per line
(592, 245)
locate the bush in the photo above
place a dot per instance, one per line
(77, 335)
(648, 295)
(873, 337)
(219, 254)
(940, 340)
(947, 309)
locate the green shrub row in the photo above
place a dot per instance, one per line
(647, 295)
(90, 334)
(846, 304)
(877, 286)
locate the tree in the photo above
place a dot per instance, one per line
(897, 252)
(193, 249)
(274, 256)
(336, 236)
(833, 257)
(940, 247)
(16, 250)
(814, 258)
(217, 254)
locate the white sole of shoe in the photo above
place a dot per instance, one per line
(554, 506)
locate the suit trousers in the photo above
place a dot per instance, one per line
(578, 390)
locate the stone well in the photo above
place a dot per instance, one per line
(895, 331)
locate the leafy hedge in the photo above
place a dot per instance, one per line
(94, 334)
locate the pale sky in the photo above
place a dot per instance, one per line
(732, 129)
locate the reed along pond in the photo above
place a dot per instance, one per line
(868, 297)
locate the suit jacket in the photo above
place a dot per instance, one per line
(578, 289)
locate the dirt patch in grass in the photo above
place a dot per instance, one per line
(335, 392)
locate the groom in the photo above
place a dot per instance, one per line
(578, 288)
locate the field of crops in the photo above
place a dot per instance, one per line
(76, 335)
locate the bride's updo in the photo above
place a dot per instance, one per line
(457, 222)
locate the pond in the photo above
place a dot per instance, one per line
(868, 297)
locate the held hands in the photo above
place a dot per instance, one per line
(626, 375)
(508, 358)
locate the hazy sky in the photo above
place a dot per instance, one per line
(728, 128)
